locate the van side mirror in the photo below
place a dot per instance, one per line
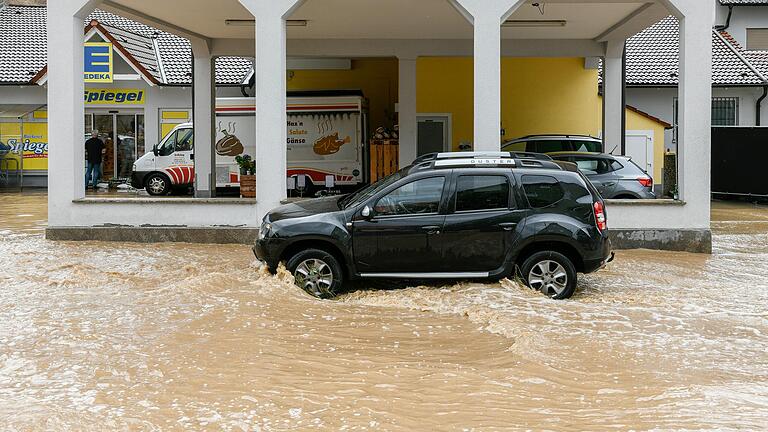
(366, 213)
(154, 150)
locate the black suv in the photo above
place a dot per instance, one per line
(447, 216)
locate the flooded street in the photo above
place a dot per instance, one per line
(105, 336)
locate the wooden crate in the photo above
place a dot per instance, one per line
(384, 158)
(248, 186)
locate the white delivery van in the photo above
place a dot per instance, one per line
(325, 145)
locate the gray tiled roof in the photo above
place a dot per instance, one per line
(653, 58)
(167, 57)
(140, 47)
(743, 2)
(22, 43)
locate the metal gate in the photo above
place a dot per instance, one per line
(739, 156)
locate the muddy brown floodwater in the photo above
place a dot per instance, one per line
(100, 336)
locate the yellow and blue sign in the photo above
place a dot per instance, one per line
(98, 62)
(114, 96)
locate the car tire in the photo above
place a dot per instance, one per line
(550, 272)
(157, 184)
(312, 268)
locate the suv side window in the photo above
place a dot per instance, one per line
(594, 166)
(587, 146)
(542, 191)
(417, 197)
(519, 146)
(548, 146)
(482, 192)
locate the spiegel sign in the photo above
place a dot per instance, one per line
(98, 62)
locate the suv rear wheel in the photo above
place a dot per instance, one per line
(550, 272)
(317, 272)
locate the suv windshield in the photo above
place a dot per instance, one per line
(365, 193)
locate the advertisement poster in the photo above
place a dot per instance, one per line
(34, 145)
(322, 137)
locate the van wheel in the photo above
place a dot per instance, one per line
(550, 272)
(317, 272)
(157, 184)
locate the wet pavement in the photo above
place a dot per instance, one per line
(103, 336)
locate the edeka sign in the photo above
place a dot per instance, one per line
(102, 96)
(98, 62)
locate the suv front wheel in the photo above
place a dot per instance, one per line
(550, 272)
(317, 272)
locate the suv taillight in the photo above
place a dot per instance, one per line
(645, 181)
(600, 219)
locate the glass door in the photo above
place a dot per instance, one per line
(123, 136)
(125, 131)
(105, 124)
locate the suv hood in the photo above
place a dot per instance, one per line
(305, 208)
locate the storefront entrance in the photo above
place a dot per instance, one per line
(123, 135)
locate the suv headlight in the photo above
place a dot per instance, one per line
(266, 229)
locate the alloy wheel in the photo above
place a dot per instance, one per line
(315, 277)
(549, 277)
(157, 185)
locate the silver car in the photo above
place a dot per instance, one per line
(615, 177)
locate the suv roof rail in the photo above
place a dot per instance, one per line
(555, 136)
(472, 155)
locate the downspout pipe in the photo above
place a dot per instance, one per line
(759, 104)
(727, 20)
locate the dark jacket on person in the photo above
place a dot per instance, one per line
(93, 148)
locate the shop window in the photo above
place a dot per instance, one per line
(474, 193)
(542, 191)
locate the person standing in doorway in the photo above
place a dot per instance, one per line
(94, 149)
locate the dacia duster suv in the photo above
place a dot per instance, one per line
(448, 216)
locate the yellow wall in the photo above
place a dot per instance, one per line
(539, 95)
(636, 121)
(377, 78)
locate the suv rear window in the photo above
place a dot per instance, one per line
(484, 192)
(542, 191)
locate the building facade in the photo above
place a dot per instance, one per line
(460, 35)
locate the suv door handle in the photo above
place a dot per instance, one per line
(431, 229)
(508, 226)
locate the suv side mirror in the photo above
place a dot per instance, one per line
(366, 213)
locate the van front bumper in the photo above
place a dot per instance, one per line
(137, 179)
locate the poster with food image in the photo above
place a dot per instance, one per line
(228, 144)
(322, 137)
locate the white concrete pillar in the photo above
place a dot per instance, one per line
(66, 158)
(270, 88)
(203, 116)
(613, 95)
(406, 102)
(695, 99)
(487, 17)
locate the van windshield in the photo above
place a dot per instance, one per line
(367, 192)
